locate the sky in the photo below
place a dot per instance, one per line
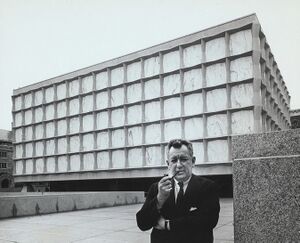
(43, 39)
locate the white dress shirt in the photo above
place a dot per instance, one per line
(177, 187)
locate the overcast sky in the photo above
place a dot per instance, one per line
(44, 39)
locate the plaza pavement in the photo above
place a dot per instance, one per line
(104, 225)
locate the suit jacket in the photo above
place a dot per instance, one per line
(194, 223)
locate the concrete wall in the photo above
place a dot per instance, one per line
(25, 204)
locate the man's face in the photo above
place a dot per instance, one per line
(180, 160)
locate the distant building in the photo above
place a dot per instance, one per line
(295, 118)
(6, 160)
(106, 127)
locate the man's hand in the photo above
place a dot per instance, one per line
(160, 224)
(164, 188)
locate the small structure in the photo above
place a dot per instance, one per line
(295, 118)
(6, 161)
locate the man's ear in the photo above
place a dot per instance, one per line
(194, 160)
(167, 162)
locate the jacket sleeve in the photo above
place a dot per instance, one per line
(205, 217)
(148, 215)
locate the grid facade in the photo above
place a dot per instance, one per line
(122, 116)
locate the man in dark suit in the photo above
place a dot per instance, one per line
(184, 208)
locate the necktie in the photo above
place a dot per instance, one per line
(179, 201)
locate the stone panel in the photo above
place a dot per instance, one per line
(216, 74)
(87, 84)
(215, 49)
(28, 117)
(152, 66)
(134, 114)
(117, 117)
(172, 107)
(88, 141)
(61, 91)
(172, 130)
(102, 140)
(240, 42)
(193, 104)
(39, 165)
(193, 128)
(101, 80)
(73, 88)
(38, 97)
(152, 88)
(74, 125)
(198, 152)
(117, 96)
(102, 120)
(192, 55)
(19, 167)
(241, 69)
(62, 163)
(75, 162)
(102, 100)
(217, 125)
(29, 166)
(74, 106)
(27, 100)
(216, 100)
(88, 161)
(103, 160)
(153, 156)
(152, 133)
(117, 76)
(135, 157)
(118, 159)
(171, 84)
(134, 136)
(87, 103)
(87, 123)
(242, 122)
(50, 164)
(133, 71)
(49, 94)
(241, 95)
(192, 79)
(171, 61)
(49, 112)
(18, 103)
(61, 127)
(152, 111)
(217, 151)
(118, 138)
(134, 92)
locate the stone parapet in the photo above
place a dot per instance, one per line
(279, 143)
(26, 204)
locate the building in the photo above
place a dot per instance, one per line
(107, 126)
(6, 161)
(295, 118)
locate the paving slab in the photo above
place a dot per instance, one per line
(105, 225)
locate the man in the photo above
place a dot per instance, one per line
(183, 209)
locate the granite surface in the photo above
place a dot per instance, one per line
(267, 196)
(266, 144)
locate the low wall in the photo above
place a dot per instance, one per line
(36, 203)
(266, 176)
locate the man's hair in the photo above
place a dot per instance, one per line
(177, 143)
